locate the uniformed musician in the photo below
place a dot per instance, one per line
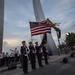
(39, 54)
(1, 60)
(45, 53)
(7, 58)
(32, 55)
(24, 55)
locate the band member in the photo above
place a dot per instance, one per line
(45, 53)
(16, 56)
(1, 60)
(39, 54)
(7, 58)
(12, 56)
(14, 53)
(4, 58)
(24, 54)
(32, 55)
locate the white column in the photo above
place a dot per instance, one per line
(39, 15)
(1, 23)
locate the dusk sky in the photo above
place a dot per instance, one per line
(18, 13)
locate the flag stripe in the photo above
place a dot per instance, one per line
(39, 27)
(44, 23)
(42, 32)
(36, 30)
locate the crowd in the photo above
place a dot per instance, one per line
(6, 58)
(27, 53)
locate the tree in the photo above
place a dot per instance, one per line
(70, 39)
(62, 45)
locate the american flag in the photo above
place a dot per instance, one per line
(39, 28)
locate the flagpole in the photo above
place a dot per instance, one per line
(31, 39)
(31, 35)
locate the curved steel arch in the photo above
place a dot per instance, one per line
(39, 15)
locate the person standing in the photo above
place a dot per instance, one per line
(32, 56)
(12, 56)
(24, 56)
(45, 53)
(39, 54)
(7, 58)
(16, 56)
(4, 59)
(12, 64)
(1, 60)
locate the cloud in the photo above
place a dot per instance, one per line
(68, 24)
(7, 46)
(17, 36)
(12, 42)
(67, 1)
(5, 43)
(23, 24)
(16, 21)
(18, 13)
(61, 11)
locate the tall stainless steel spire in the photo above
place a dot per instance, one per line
(39, 15)
(1, 23)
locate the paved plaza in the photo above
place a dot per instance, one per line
(55, 67)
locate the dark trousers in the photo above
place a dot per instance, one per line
(21, 60)
(7, 60)
(25, 64)
(1, 60)
(16, 58)
(32, 59)
(39, 56)
(45, 57)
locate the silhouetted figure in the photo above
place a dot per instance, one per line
(24, 55)
(7, 58)
(32, 55)
(45, 53)
(39, 54)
